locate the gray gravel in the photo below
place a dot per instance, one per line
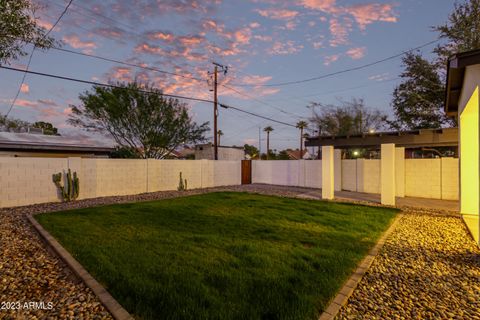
(31, 273)
(429, 268)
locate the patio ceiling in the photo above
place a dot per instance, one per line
(447, 137)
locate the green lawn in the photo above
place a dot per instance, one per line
(221, 255)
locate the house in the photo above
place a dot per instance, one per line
(14, 144)
(295, 154)
(462, 102)
(206, 151)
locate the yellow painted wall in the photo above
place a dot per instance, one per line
(469, 160)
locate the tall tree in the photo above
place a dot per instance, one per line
(350, 117)
(47, 127)
(146, 122)
(268, 130)
(19, 28)
(301, 125)
(418, 100)
(252, 151)
(219, 133)
(462, 30)
(421, 92)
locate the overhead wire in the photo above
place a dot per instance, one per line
(31, 56)
(328, 75)
(95, 83)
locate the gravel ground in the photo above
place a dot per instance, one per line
(32, 277)
(429, 268)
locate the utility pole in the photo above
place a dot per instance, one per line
(215, 111)
(259, 144)
(215, 104)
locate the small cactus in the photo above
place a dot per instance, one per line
(181, 186)
(182, 183)
(71, 188)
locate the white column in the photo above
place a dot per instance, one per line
(337, 168)
(328, 173)
(400, 172)
(387, 174)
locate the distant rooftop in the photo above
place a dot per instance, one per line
(40, 142)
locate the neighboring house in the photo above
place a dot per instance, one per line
(206, 151)
(186, 153)
(38, 145)
(295, 154)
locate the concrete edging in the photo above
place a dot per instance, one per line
(115, 309)
(351, 284)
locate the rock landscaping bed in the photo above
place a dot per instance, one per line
(429, 268)
(36, 284)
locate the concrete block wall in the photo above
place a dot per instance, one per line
(361, 175)
(226, 173)
(450, 179)
(349, 175)
(25, 181)
(423, 178)
(301, 173)
(370, 181)
(118, 177)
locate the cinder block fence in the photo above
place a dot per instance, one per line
(25, 181)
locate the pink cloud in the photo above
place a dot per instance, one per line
(75, 42)
(26, 103)
(44, 24)
(47, 102)
(263, 38)
(277, 14)
(356, 53)
(242, 36)
(161, 35)
(24, 88)
(283, 48)
(323, 5)
(330, 59)
(362, 14)
(365, 14)
(339, 31)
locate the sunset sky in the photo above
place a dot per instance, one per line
(262, 42)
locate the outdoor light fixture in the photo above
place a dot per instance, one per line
(355, 153)
(371, 131)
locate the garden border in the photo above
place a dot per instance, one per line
(115, 309)
(351, 284)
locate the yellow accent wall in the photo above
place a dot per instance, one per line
(469, 160)
(469, 163)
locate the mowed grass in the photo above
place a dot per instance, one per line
(221, 255)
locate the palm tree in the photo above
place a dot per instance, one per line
(268, 130)
(301, 125)
(219, 133)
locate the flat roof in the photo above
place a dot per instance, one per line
(38, 142)
(446, 137)
(455, 73)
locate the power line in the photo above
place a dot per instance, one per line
(262, 102)
(31, 56)
(226, 106)
(90, 55)
(144, 91)
(128, 64)
(337, 72)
